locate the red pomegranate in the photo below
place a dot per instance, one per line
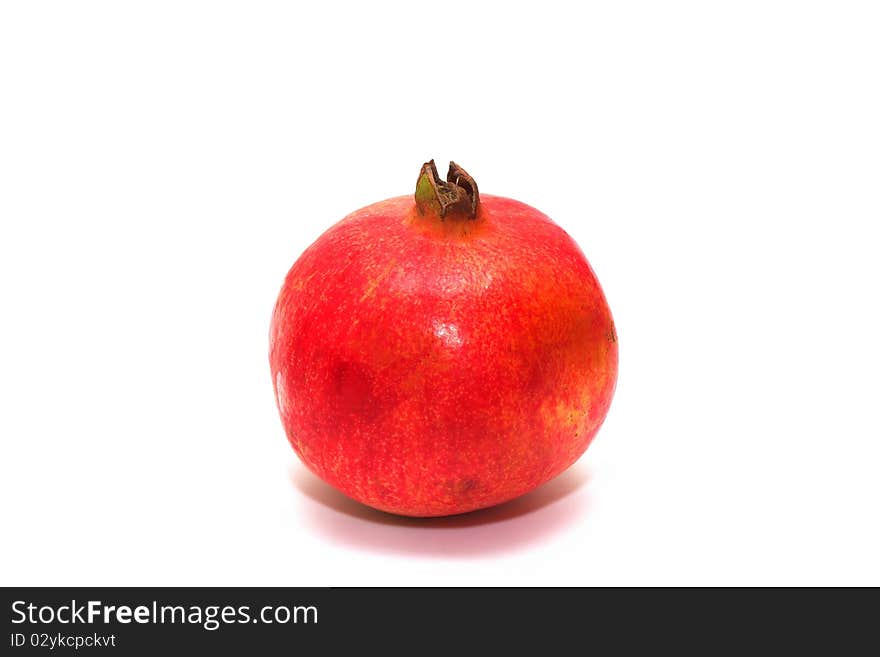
(442, 353)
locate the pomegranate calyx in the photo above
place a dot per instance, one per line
(457, 195)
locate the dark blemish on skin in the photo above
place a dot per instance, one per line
(352, 391)
(460, 486)
(611, 335)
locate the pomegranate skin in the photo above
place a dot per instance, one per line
(430, 367)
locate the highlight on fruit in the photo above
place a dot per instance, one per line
(442, 352)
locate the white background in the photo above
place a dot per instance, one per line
(163, 164)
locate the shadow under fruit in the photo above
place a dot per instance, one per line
(443, 352)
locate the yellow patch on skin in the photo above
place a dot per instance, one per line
(370, 290)
(299, 284)
(451, 228)
(564, 413)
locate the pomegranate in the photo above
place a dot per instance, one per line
(442, 353)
